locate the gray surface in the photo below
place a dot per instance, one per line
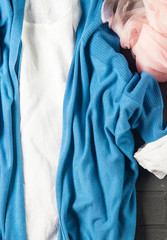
(147, 182)
(151, 233)
(151, 207)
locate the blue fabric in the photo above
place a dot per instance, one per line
(12, 212)
(103, 103)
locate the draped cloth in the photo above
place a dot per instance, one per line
(141, 26)
(12, 212)
(48, 38)
(103, 103)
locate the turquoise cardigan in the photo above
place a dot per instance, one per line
(104, 101)
(12, 212)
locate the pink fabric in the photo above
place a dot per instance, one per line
(141, 26)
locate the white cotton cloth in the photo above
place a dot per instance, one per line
(48, 40)
(153, 157)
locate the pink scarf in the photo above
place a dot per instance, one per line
(142, 27)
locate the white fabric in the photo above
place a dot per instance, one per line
(153, 157)
(48, 42)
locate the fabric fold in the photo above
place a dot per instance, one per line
(141, 27)
(12, 211)
(103, 103)
(153, 157)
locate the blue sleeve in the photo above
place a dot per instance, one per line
(142, 105)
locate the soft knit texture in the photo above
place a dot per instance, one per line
(141, 26)
(48, 43)
(103, 102)
(12, 212)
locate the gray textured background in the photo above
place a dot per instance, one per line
(151, 207)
